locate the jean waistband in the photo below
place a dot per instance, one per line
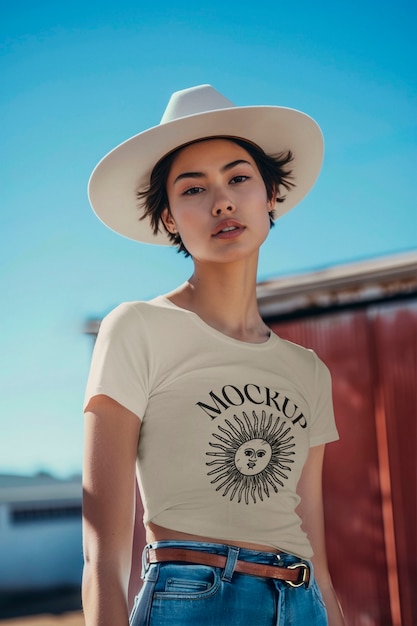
(288, 568)
(282, 559)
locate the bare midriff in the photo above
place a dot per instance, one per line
(158, 533)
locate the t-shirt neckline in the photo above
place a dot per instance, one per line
(213, 331)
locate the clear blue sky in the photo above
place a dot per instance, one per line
(77, 78)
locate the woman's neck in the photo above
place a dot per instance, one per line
(224, 297)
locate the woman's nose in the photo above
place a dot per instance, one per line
(222, 205)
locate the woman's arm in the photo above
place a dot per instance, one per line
(111, 439)
(310, 510)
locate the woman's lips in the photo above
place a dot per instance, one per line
(228, 229)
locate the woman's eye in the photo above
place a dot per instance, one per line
(239, 179)
(192, 191)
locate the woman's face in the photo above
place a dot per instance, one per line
(218, 201)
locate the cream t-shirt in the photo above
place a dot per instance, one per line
(226, 425)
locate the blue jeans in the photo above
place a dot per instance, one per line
(175, 594)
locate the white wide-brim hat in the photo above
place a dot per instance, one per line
(192, 114)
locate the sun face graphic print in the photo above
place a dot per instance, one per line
(251, 457)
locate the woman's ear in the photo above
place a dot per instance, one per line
(272, 201)
(169, 221)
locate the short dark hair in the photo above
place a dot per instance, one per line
(154, 198)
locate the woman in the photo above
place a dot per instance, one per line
(225, 422)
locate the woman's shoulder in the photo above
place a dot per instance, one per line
(303, 357)
(135, 312)
(296, 351)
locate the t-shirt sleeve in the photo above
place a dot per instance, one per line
(323, 427)
(120, 362)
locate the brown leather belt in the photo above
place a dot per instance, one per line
(296, 574)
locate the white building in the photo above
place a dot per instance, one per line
(40, 533)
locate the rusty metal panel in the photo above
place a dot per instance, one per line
(353, 507)
(394, 335)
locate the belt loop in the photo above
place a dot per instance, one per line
(229, 568)
(145, 562)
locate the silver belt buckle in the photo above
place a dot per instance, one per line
(304, 571)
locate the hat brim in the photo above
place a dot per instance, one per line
(115, 181)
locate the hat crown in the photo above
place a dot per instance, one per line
(193, 101)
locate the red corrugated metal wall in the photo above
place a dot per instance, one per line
(370, 474)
